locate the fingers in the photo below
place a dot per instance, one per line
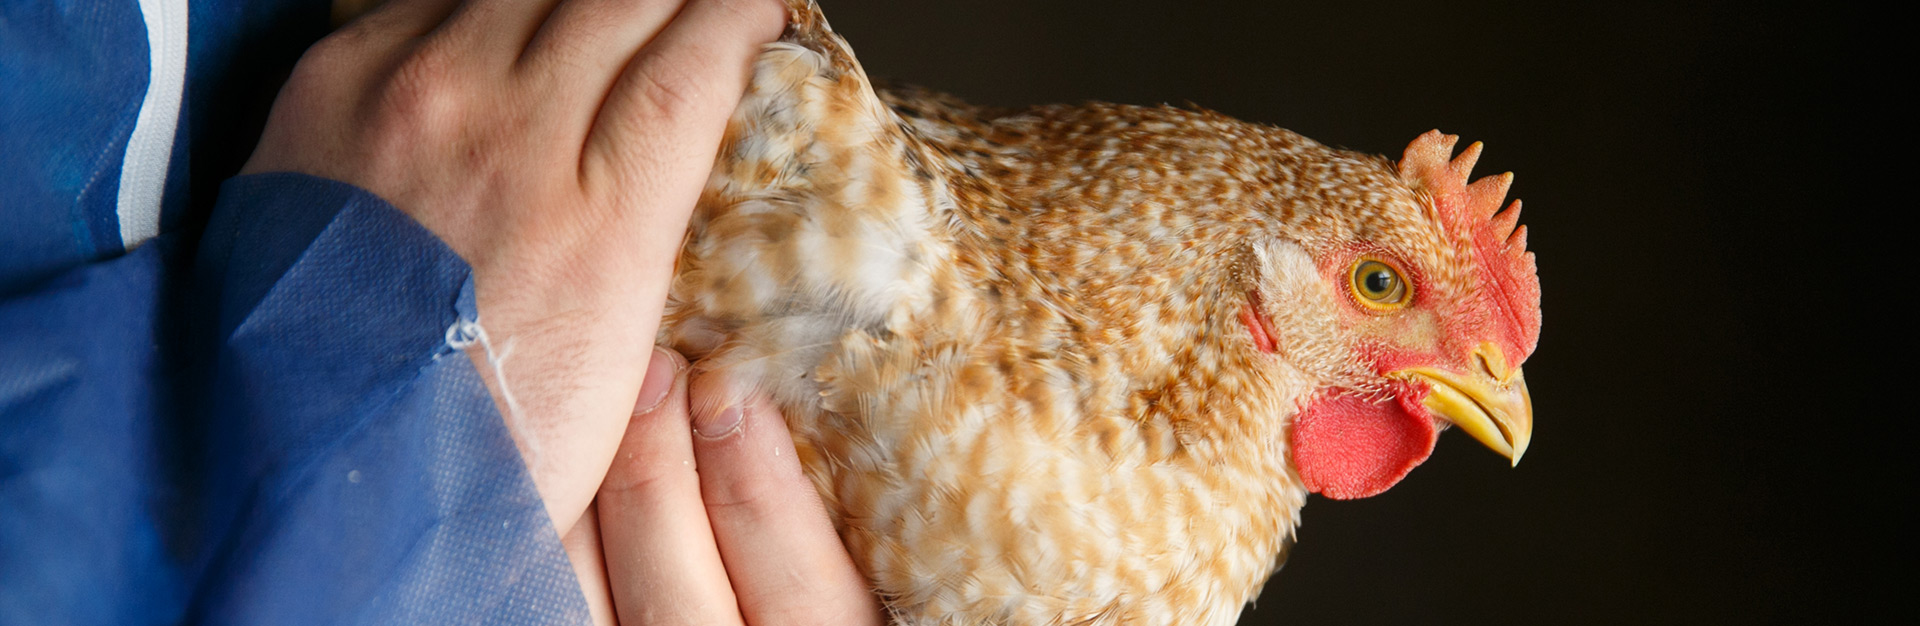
(744, 539)
(582, 544)
(660, 550)
(405, 18)
(496, 29)
(598, 37)
(692, 74)
(786, 563)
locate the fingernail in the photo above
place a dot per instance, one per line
(718, 425)
(661, 370)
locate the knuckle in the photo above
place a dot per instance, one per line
(641, 476)
(805, 608)
(329, 60)
(668, 91)
(343, 47)
(423, 92)
(747, 487)
(745, 493)
(652, 458)
(603, 12)
(767, 14)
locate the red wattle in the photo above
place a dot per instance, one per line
(1347, 446)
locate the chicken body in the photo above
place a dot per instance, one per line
(1054, 366)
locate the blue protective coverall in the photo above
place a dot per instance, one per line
(231, 401)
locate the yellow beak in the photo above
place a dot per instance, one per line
(1491, 404)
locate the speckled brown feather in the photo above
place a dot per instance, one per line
(1008, 342)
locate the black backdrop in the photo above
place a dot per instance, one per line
(1706, 449)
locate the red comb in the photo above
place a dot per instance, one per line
(1473, 211)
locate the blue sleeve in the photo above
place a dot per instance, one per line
(265, 426)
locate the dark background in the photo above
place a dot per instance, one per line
(1707, 446)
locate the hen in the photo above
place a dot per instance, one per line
(1083, 364)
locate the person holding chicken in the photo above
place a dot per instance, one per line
(260, 411)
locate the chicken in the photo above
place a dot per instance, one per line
(1083, 364)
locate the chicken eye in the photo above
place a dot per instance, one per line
(1378, 285)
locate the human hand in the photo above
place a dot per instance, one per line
(708, 520)
(558, 146)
